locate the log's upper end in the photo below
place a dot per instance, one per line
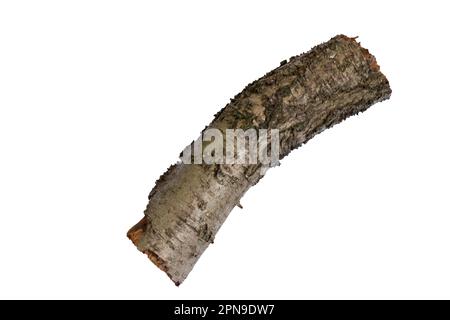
(370, 58)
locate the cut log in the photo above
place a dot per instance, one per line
(300, 98)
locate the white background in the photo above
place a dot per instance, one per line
(98, 98)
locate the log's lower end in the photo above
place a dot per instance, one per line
(135, 234)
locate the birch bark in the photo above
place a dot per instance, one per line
(301, 98)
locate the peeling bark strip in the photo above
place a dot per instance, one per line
(301, 98)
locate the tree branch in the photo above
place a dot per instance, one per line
(301, 98)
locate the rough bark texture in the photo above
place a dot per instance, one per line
(301, 98)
